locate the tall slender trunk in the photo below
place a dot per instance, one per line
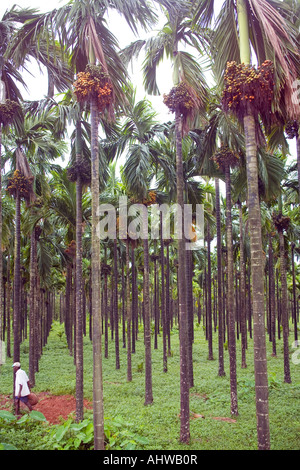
(163, 303)
(8, 308)
(257, 267)
(128, 315)
(78, 285)
(68, 305)
(257, 280)
(284, 310)
(156, 303)
(208, 286)
(294, 302)
(189, 306)
(183, 333)
(168, 310)
(17, 281)
(134, 304)
(123, 307)
(96, 286)
(116, 315)
(272, 297)
(243, 290)
(221, 371)
(147, 329)
(298, 160)
(230, 297)
(104, 304)
(1, 258)
(32, 307)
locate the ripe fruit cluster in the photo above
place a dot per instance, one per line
(105, 269)
(281, 222)
(292, 129)
(180, 98)
(20, 183)
(248, 89)
(151, 199)
(8, 111)
(71, 249)
(93, 82)
(225, 157)
(148, 201)
(82, 169)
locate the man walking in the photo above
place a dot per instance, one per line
(22, 387)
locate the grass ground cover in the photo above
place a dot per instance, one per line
(212, 426)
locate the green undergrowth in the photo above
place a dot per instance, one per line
(156, 427)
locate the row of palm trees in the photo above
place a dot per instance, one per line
(69, 39)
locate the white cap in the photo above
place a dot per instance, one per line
(16, 364)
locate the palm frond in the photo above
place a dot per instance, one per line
(156, 49)
(137, 170)
(280, 40)
(188, 69)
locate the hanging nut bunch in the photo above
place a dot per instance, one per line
(248, 89)
(105, 269)
(20, 183)
(8, 109)
(151, 199)
(180, 98)
(292, 129)
(93, 82)
(225, 157)
(148, 201)
(281, 222)
(71, 250)
(81, 168)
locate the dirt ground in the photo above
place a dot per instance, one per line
(54, 408)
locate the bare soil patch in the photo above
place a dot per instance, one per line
(55, 408)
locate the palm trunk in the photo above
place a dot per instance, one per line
(96, 286)
(17, 281)
(168, 309)
(243, 290)
(209, 310)
(134, 305)
(147, 329)
(78, 285)
(220, 291)
(183, 334)
(116, 315)
(32, 309)
(257, 267)
(8, 308)
(272, 297)
(284, 310)
(104, 301)
(190, 316)
(257, 279)
(1, 258)
(128, 315)
(294, 302)
(156, 306)
(68, 326)
(163, 304)
(298, 161)
(230, 297)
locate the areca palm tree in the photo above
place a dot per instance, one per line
(35, 140)
(9, 74)
(139, 129)
(79, 171)
(187, 74)
(92, 43)
(221, 143)
(260, 25)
